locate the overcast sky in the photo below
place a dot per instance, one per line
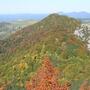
(43, 6)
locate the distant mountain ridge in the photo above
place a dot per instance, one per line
(13, 17)
(80, 15)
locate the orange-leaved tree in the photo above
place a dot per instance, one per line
(85, 85)
(46, 78)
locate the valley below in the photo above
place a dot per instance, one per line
(10, 27)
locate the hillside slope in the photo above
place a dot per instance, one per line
(51, 23)
(22, 53)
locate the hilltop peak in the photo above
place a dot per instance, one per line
(57, 22)
(54, 15)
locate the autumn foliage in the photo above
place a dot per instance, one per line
(85, 85)
(46, 78)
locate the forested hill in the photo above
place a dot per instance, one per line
(22, 52)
